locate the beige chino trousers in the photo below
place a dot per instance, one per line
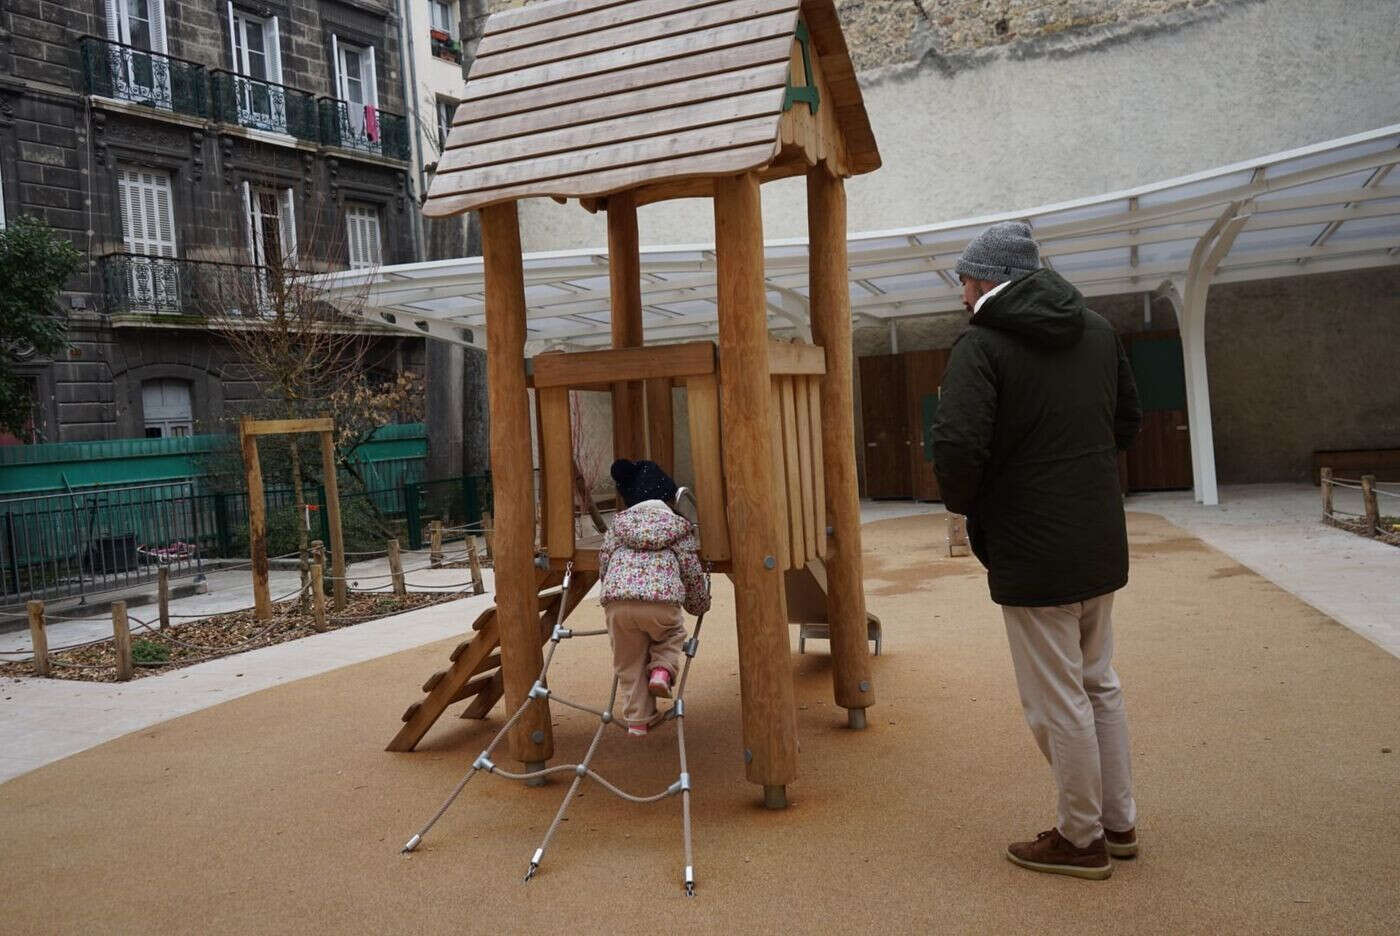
(644, 635)
(1074, 706)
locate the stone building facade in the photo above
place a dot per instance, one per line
(187, 148)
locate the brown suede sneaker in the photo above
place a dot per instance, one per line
(1052, 853)
(1121, 844)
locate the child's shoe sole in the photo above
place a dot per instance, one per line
(661, 690)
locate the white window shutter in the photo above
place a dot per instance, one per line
(126, 189)
(165, 218)
(148, 217)
(235, 64)
(288, 220)
(251, 223)
(372, 82)
(339, 72)
(114, 26)
(157, 8)
(273, 39)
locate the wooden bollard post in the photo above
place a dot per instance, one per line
(318, 598)
(38, 638)
(163, 594)
(957, 535)
(121, 634)
(475, 561)
(1368, 498)
(488, 530)
(396, 568)
(1326, 474)
(435, 544)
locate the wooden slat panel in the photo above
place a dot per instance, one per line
(780, 493)
(645, 53)
(792, 475)
(598, 159)
(556, 452)
(617, 131)
(618, 38)
(578, 369)
(495, 42)
(702, 405)
(536, 13)
(724, 162)
(814, 401)
(792, 357)
(803, 411)
(632, 101)
(770, 55)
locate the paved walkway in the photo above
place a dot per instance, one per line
(1272, 529)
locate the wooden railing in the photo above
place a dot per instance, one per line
(1369, 522)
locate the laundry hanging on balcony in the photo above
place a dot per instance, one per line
(371, 123)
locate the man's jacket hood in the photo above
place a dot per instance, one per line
(1041, 308)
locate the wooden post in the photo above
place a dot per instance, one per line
(435, 544)
(661, 431)
(517, 601)
(1326, 476)
(318, 597)
(557, 459)
(957, 535)
(625, 278)
(122, 639)
(488, 533)
(318, 552)
(1368, 499)
(831, 328)
(328, 474)
(396, 568)
(765, 665)
(163, 594)
(475, 561)
(38, 637)
(257, 519)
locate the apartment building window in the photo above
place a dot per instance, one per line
(137, 75)
(137, 23)
(362, 236)
(272, 226)
(148, 232)
(166, 408)
(256, 46)
(356, 85)
(441, 15)
(446, 107)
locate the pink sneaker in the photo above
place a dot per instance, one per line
(660, 683)
(637, 731)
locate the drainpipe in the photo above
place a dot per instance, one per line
(410, 101)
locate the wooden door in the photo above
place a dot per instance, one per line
(1160, 460)
(885, 417)
(923, 373)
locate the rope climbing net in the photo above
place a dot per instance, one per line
(584, 769)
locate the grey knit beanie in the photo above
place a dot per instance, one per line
(1002, 252)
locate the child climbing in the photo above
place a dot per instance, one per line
(650, 572)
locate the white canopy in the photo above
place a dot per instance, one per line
(1316, 209)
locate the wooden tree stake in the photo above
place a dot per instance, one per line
(329, 477)
(1368, 498)
(257, 519)
(435, 544)
(318, 598)
(396, 568)
(475, 561)
(1326, 492)
(488, 533)
(38, 637)
(122, 638)
(163, 595)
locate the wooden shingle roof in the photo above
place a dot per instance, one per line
(582, 98)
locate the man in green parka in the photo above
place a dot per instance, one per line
(1036, 402)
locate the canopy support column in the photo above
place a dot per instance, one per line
(517, 598)
(765, 655)
(831, 329)
(625, 279)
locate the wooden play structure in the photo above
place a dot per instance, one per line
(620, 106)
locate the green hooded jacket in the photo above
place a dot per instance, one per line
(1036, 401)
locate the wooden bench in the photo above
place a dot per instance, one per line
(1353, 463)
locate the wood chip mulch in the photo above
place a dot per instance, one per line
(193, 642)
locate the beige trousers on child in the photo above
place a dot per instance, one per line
(1064, 669)
(645, 635)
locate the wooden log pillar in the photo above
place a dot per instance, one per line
(329, 475)
(512, 541)
(38, 637)
(474, 561)
(1326, 478)
(396, 568)
(1368, 503)
(121, 640)
(318, 598)
(625, 278)
(661, 420)
(435, 544)
(257, 519)
(163, 595)
(830, 298)
(765, 665)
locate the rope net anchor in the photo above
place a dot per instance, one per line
(583, 769)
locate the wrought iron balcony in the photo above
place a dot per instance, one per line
(146, 285)
(126, 73)
(362, 128)
(262, 105)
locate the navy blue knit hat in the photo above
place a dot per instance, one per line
(642, 480)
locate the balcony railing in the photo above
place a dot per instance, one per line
(354, 127)
(262, 105)
(147, 285)
(126, 73)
